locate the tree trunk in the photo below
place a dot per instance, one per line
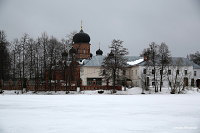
(161, 78)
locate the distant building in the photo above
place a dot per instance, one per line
(86, 69)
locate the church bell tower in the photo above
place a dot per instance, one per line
(81, 43)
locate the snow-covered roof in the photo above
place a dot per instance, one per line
(98, 60)
(180, 61)
(94, 61)
(132, 63)
(136, 60)
(196, 66)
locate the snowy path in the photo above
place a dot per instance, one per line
(100, 114)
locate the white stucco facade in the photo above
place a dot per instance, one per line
(135, 73)
(89, 72)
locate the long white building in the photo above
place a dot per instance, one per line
(185, 71)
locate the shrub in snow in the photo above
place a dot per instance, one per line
(113, 91)
(1, 92)
(101, 92)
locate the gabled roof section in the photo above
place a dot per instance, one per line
(137, 60)
(98, 60)
(196, 66)
(181, 61)
(94, 61)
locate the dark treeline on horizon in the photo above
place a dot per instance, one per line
(28, 58)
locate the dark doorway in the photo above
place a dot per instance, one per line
(185, 81)
(198, 83)
(147, 81)
(192, 82)
(94, 81)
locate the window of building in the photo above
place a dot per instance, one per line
(135, 72)
(94, 81)
(124, 72)
(84, 51)
(169, 72)
(153, 71)
(136, 83)
(192, 82)
(195, 73)
(104, 72)
(177, 72)
(153, 83)
(170, 83)
(147, 81)
(185, 72)
(161, 83)
(161, 72)
(144, 71)
(185, 81)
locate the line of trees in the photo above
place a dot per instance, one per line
(28, 58)
(4, 59)
(195, 57)
(115, 63)
(158, 58)
(159, 63)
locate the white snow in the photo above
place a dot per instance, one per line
(179, 113)
(127, 91)
(135, 62)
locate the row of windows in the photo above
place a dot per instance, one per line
(83, 51)
(169, 72)
(185, 83)
(161, 72)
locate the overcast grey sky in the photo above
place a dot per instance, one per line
(136, 22)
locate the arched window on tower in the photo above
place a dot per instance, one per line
(84, 51)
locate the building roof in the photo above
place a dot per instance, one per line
(137, 60)
(196, 66)
(132, 63)
(99, 52)
(94, 61)
(81, 37)
(181, 61)
(98, 60)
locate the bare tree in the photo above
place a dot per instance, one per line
(4, 59)
(165, 59)
(151, 54)
(14, 58)
(176, 77)
(24, 41)
(114, 62)
(54, 51)
(44, 42)
(195, 57)
(29, 57)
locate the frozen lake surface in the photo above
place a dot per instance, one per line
(100, 113)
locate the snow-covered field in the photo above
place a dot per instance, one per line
(100, 113)
(127, 91)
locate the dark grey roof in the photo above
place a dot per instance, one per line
(94, 61)
(97, 60)
(133, 58)
(196, 66)
(180, 61)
